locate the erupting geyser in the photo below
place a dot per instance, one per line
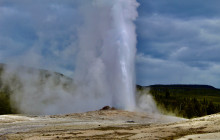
(104, 69)
(106, 59)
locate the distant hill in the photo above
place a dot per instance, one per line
(185, 100)
(30, 70)
(181, 86)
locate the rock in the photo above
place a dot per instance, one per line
(108, 108)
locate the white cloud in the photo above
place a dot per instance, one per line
(164, 37)
(157, 71)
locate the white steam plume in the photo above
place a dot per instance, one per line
(104, 73)
(107, 40)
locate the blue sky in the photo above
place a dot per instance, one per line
(178, 41)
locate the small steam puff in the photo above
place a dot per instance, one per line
(105, 66)
(145, 102)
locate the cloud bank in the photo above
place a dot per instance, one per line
(184, 35)
(178, 43)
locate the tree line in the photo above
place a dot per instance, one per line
(186, 105)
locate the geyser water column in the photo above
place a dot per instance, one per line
(105, 68)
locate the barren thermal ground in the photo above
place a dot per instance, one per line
(107, 124)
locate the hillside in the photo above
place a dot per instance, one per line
(185, 100)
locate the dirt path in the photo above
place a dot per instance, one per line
(109, 124)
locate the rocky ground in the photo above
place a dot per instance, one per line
(108, 124)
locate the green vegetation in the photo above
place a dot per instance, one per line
(186, 100)
(5, 105)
